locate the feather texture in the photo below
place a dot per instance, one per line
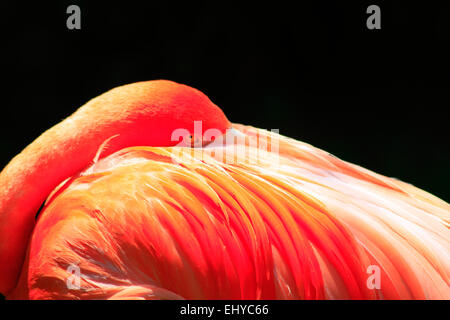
(218, 223)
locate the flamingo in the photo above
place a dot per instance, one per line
(139, 214)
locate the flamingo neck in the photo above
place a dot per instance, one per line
(144, 113)
(26, 182)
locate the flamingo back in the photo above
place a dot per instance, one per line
(246, 220)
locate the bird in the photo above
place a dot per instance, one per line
(148, 191)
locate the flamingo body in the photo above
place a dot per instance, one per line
(168, 222)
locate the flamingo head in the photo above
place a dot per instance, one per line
(162, 113)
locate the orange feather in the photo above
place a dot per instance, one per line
(291, 222)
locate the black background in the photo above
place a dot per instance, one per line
(377, 98)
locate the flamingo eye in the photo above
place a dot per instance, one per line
(192, 140)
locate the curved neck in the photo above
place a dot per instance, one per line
(26, 182)
(143, 113)
(29, 178)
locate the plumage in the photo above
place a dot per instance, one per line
(246, 214)
(152, 222)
